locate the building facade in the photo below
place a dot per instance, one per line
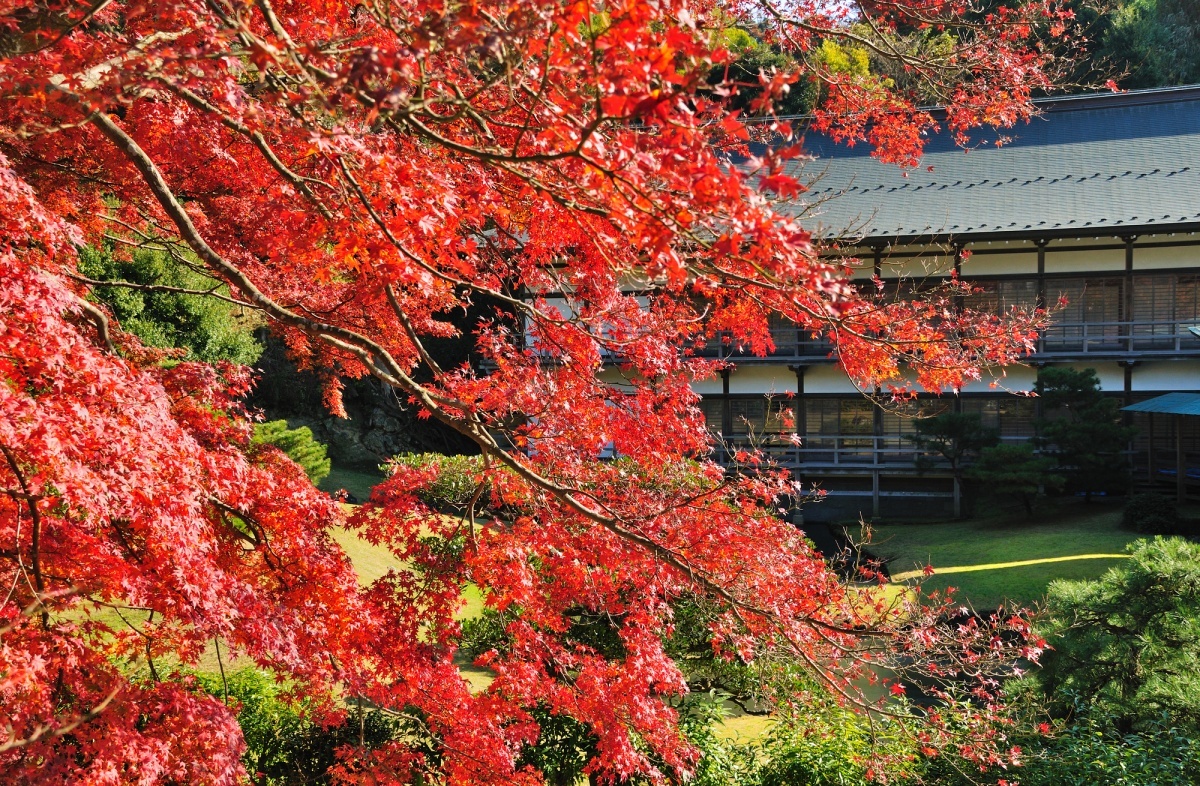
(1096, 202)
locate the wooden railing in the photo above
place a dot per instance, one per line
(1134, 337)
(1060, 338)
(837, 451)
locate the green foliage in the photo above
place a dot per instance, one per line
(1009, 470)
(1083, 430)
(564, 747)
(1088, 752)
(954, 436)
(836, 58)
(1130, 641)
(269, 724)
(312, 752)
(283, 747)
(821, 744)
(1151, 514)
(298, 444)
(456, 479)
(1156, 41)
(209, 329)
(752, 57)
(723, 762)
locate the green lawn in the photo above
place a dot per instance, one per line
(358, 480)
(1002, 558)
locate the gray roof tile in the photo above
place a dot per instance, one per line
(1116, 161)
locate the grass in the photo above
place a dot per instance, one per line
(358, 480)
(1000, 557)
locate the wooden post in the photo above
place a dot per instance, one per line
(876, 450)
(1150, 468)
(875, 493)
(1179, 468)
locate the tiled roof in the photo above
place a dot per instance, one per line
(1111, 162)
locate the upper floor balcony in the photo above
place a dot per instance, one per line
(1101, 317)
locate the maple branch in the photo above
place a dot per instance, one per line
(260, 142)
(35, 534)
(100, 319)
(13, 743)
(381, 363)
(410, 331)
(213, 293)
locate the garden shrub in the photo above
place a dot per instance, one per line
(1130, 640)
(206, 328)
(298, 444)
(455, 482)
(284, 747)
(1089, 751)
(1151, 514)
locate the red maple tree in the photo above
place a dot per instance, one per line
(355, 172)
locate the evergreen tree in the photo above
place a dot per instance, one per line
(954, 436)
(1129, 642)
(1083, 431)
(145, 300)
(298, 444)
(1015, 471)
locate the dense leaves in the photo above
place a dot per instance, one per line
(353, 174)
(167, 305)
(1129, 642)
(1083, 431)
(297, 443)
(1016, 472)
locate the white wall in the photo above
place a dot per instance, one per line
(1171, 257)
(763, 379)
(1017, 261)
(1016, 379)
(1110, 373)
(1167, 376)
(827, 378)
(1084, 261)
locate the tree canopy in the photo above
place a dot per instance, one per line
(354, 173)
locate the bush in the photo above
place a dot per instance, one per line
(1089, 751)
(283, 747)
(298, 444)
(207, 328)
(1015, 471)
(455, 483)
(1130, 640)
(823, 744)
(1152, 514)
(1083, 431)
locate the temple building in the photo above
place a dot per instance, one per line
(1096, 200)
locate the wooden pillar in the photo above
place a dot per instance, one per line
(1127, 417)
(958, 258)
(1150, 459)
(1041, 281)
(1180, 469)
(1041, 271)
(726, 412)
(876, 447)
(1127, 294)
(800, 412)
(875, 494)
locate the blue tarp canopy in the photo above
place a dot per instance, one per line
(1169, 404)
(1179, 405)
